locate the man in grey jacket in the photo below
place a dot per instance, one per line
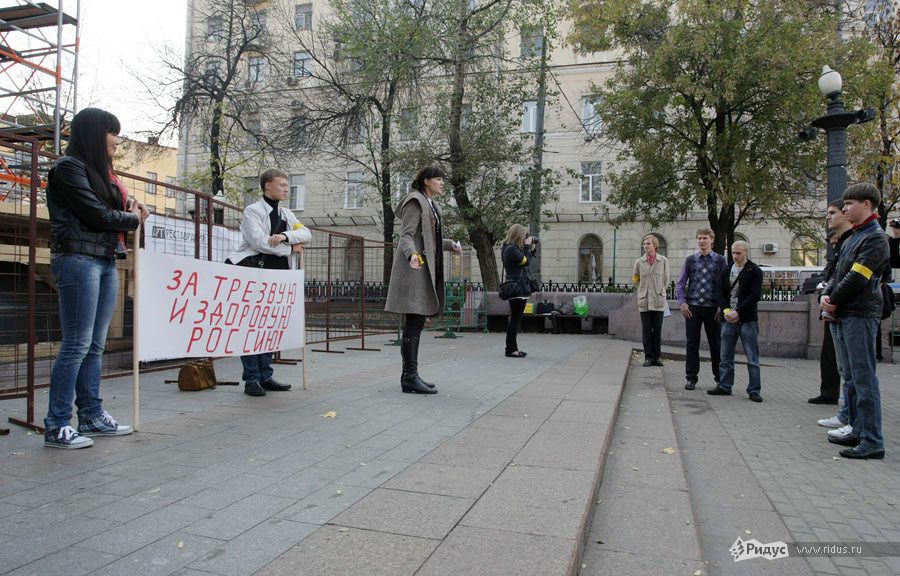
(270, 234)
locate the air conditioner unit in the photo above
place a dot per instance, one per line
(292, 81)
(770, 248)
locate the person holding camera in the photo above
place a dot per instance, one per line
(651, 274)
(515, 255)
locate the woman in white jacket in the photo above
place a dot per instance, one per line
(651, 275)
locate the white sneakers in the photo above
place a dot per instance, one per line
(840, 433)
(832, 422)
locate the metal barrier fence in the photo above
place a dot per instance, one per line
(770, 293)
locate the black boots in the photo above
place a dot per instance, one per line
(410, 381)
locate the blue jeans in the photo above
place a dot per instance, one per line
(749, 333)
(844, 412)
(87, 288)
(257, 367)
(863, 396)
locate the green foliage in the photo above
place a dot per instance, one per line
(706, 102)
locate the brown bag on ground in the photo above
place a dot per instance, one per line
(197, 375)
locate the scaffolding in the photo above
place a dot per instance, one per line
(38, 71)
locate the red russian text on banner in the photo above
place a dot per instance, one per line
(192, 308)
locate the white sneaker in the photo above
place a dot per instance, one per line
(841, 433)
(833, 422)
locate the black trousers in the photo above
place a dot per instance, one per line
(830, 387)
(516, 308)
(414, 325)
(702, 316)
(651, 331)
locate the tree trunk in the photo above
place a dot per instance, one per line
(385, 185)
(217, 180)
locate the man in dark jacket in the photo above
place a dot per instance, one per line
(739, 289)
(853, 300)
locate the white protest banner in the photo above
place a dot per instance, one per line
(192, 308)
(171, 235)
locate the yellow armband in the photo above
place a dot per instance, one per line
(726, 311)
(635, 278)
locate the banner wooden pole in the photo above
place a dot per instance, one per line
(303, 327)
(135, 335)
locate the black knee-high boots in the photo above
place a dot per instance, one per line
(410, 380)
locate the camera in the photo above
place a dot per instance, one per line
(534, 239)
(895, 223)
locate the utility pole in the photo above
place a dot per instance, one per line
(535, 224)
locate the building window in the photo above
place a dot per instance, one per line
(170, 181)
(591, 173)
(590, 260)
(170, 211)
(529, 116)
(258, 22)
(212, 75)
(355, 191)
(402, 186)
(590, 118)
(257, 72)
(532, 37)
(302, 64)
(150, 187)
(303, 17)
(215, 29)
(251, 190)
(408, 124)
(804, 251)
(357, 130)
(297, 194)
(353, 257)
(254, 128)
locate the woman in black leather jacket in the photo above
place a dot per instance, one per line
(516, 255)
(90, 211)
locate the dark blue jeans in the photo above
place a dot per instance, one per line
(749, 334)
(257, 367)
(863, 396)
(87, 288)
(844, 412)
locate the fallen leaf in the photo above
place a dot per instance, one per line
(340, 492)
(645, 444)
(330, 414)
(180, 545)
(698, 573)
(799, 426)
(674, 411)
(526, 415)
(635, 468)
(363, 464)
(687, 522)
(28, 433)
(16, 453)
(600, 542)
(343, 529)
(628, 427)
(835, 458)
(155, 490)
(668, 451)
(747, 531)
(347, 445)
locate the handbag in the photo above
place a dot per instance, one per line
(508, 289)
(888, 301)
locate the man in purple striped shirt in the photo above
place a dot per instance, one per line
(696, 292)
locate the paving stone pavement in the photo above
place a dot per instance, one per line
(494, 475)
(498, 474)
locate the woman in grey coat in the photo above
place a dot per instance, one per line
(417, 277)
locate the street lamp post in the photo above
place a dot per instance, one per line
(835, 123)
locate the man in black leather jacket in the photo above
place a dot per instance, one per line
(853, 300)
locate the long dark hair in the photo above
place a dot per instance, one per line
(88, 144)
(430, 171)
